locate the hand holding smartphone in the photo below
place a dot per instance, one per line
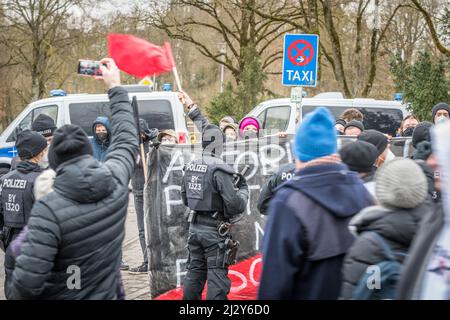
(89, 68)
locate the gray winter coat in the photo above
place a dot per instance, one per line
(398, 227)
(78, 229)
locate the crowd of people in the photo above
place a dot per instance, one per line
(332, 215)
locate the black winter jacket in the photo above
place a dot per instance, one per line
(79, 227)
(398, 227)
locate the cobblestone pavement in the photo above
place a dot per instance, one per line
(136, 286)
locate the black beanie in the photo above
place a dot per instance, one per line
(209, 136)
(356, 124)
(439, 106)
(421, 133)
(29, 144)
(44, 125)
(359, 156)
(378, 139)
(69, 141)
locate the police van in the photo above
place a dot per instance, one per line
(281, 114)
(161, 110)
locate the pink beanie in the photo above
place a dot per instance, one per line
(246, 122)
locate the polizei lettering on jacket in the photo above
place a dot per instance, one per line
(197, 167)
(14, 183)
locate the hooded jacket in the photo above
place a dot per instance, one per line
(100, 148)
(79, 227)
(306, 235)
(397, 227)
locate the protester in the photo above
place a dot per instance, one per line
(249, 128)
(230, 131)
(138, 183)
(226, 121)
(101, 137)
(168, 136)
(340, 126)
(284, 173)
(440, 113)
(352, 114)
(401, 190)
(306, 235)
(407, 126)
(421, 133)
(360, 157)
(381, 142)
(353, 128)
(93, 197)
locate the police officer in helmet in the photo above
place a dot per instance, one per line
(210, 190)
(16, 187)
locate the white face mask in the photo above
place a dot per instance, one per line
(441, 119)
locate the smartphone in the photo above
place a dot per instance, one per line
(89, 68)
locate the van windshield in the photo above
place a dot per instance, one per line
(386, 120)
(157, 113)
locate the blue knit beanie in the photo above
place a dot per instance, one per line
(316, 136)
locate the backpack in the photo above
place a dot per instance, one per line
(389, 271)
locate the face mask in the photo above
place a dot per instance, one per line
(102, 136)
(408, 132)
(230, 138)
(441, 119)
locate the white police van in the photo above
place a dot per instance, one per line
(162, 110)
(280, 114)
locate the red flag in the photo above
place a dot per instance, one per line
(138, 57)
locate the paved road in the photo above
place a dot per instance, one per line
(136, 286)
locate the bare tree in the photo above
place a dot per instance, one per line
(230, 22)
(431, 26)
(33, 32)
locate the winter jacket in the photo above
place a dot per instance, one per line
(78, 229)
(99, 147)
(397, 227)
(410, 283)
(284, 173)
(306, 235)
(198, 118)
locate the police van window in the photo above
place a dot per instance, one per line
(84, 114)
(275, 119)
(51, 111)
(158, 113)
(386, 120)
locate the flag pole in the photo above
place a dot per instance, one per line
(177, 78)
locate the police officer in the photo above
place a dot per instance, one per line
(16, 187)
(209, 189)
(284, 173)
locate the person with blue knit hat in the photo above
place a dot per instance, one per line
(306, 235)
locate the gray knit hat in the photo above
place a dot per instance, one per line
(400, 183)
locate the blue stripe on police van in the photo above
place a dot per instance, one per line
(9, 152)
